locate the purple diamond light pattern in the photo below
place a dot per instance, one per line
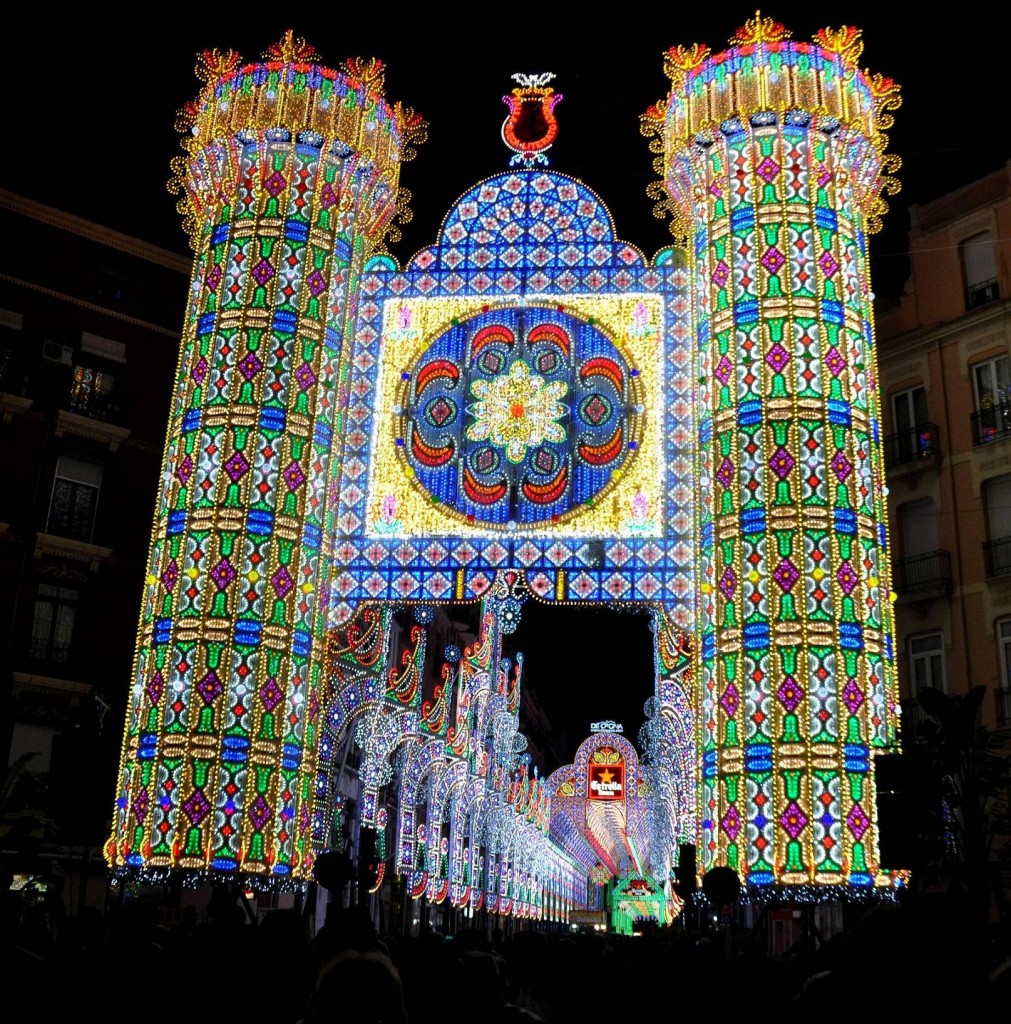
(773, 260)
(237, 467)
(731, 700)
(857, 821)
(262, 272)
(731, 822)
(778, 357)
(781, 463)
(259, 813)
(793, 820)
(790, 694)
(210, 687)
(786, 574)
(196, 806)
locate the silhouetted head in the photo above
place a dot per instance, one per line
(357, 978)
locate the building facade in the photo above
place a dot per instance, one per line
(945, 382)
(89, 327)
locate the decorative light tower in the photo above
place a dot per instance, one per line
(289, 181)
(773, 165)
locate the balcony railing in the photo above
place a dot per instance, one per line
(925, 574)
(991, 424)
(982, 292)
(1003, 698)
(919, 444)
(998, 556)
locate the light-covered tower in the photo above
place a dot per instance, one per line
(773, 165)
(289, 181)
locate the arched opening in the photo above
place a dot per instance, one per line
(455, 761)
(584, 665)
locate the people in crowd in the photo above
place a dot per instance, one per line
(517, 972)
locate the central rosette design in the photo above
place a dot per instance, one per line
(517, 410)
(517, 416)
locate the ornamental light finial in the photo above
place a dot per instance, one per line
(531, 127)
(759, 30)
(291, 49)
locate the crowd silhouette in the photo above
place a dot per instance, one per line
(222, 963)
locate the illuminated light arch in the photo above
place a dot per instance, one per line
(738, 487)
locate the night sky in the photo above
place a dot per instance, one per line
(89, 129)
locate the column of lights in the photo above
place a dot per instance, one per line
(669, 744)
(774, 168)
(290, 177)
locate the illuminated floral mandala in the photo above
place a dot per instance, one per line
(517, 410)
(599, 875)
(519, 416)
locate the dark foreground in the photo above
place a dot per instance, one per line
(127, 967)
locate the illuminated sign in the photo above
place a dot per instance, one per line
(606, 782)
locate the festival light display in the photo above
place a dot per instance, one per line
(528, 409)
(290, 179)
(773, 165)
(604, 793)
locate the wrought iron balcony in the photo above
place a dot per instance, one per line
(921, 576)
(991, 424)
(920, 444)
(998, 556)
(982, 292)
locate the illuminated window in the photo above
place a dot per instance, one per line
(53, 626)
(979, 269)
(992, 380)
(75, 499)
(91, 392)
(926, 662)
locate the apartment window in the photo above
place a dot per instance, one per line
(926, 662)
(1003, 694)
(914, 437)
(979, 269)
(924, 568)
(91, 392)
(997, 496)
(910, 408)
(75, 499)
(992, 380)
(53, 626)
(919, 527)
(111, 286)
(1004, 639)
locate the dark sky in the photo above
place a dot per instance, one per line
(89, 129)
(585, 665)
(94, 114)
